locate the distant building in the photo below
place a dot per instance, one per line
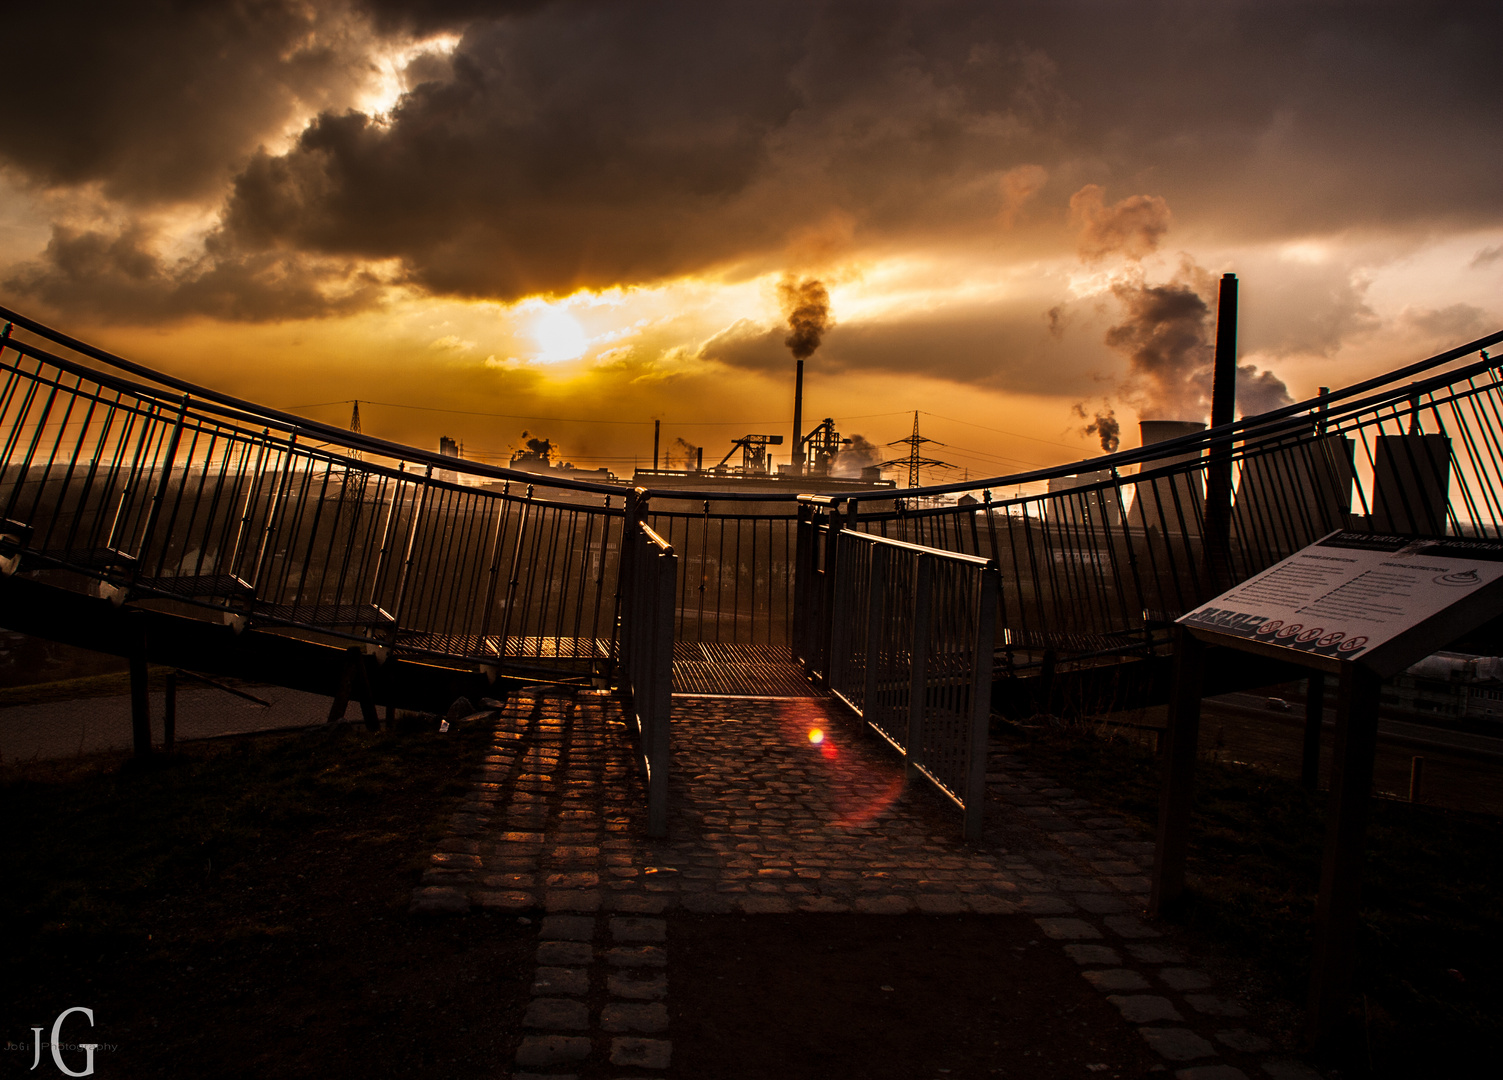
(1452, 685)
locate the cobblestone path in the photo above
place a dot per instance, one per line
(786, 806)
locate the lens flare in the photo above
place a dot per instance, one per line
(816, 736)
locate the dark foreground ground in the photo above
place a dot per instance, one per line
(242, 911)
(789, 997)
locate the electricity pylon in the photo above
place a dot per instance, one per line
(913, 461)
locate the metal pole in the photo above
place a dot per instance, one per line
(1346, 833)
(1180, 748)
(918, 651)
(1315, 701)
(981, 702)
(1218, 512)
(657, 427)
(798, 420)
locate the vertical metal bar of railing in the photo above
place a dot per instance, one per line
(650, 582)
(918, 663)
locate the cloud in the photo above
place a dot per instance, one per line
(1018, 186)
(573, 144)
(157, 103)
(1131, 227)
(1488, 255)
(1457, 323)
(119, 277)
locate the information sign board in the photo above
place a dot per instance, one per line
(1379, 600)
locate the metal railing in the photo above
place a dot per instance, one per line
(1097, 558)
(649, 575)
(909, 650)
(142, 492)
(134, 484)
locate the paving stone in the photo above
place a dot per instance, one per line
(637, 956)
(542, 1050)
(1155, 954)
(1212, 1005)
(567, 928)
(994, 905)
(556, 1014)
(765, 905)
(1045, 904)
(649, 1017)
(1243, 1041)
(1180, 978)
(638, 904)
(565, 953)
(823, 905)
(571, 900)
(544, 1076)
(641, 1053)
(1144, 1008)
(1176, 1044)
(1067, 929)
(1130, 926)
(1114, 979)
(551, 981)
(708, 904)
(1210, 1072)
(509, 881)
(505, 900)
(646, 931)
(637, 988)
(884, 905)
(454, 860)
(941, 904)
(1100, 903)
(1104, 955)
(1285, 1069)
(439, 899)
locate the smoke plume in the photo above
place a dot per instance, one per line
(1131, 227)
(806, 304)
(858, 454)
(542, 448)
(1165, 334)
(681, 455)
(1104, 426)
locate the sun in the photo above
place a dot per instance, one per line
(559, 336)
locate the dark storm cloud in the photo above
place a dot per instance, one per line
(161, 101)
(570, 144)
(118, 277)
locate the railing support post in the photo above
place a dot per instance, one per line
(876, 614)
(1346, 832)
(1180, 749)
(981, 703)
(923, 611)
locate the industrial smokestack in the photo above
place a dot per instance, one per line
(657, 429)
(807, 306)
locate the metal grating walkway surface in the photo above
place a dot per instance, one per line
(763, 671)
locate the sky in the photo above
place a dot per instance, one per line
(573, 218)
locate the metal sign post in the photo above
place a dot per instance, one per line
(1362, 607)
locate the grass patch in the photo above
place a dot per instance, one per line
(1428, 996)
(239, 908)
